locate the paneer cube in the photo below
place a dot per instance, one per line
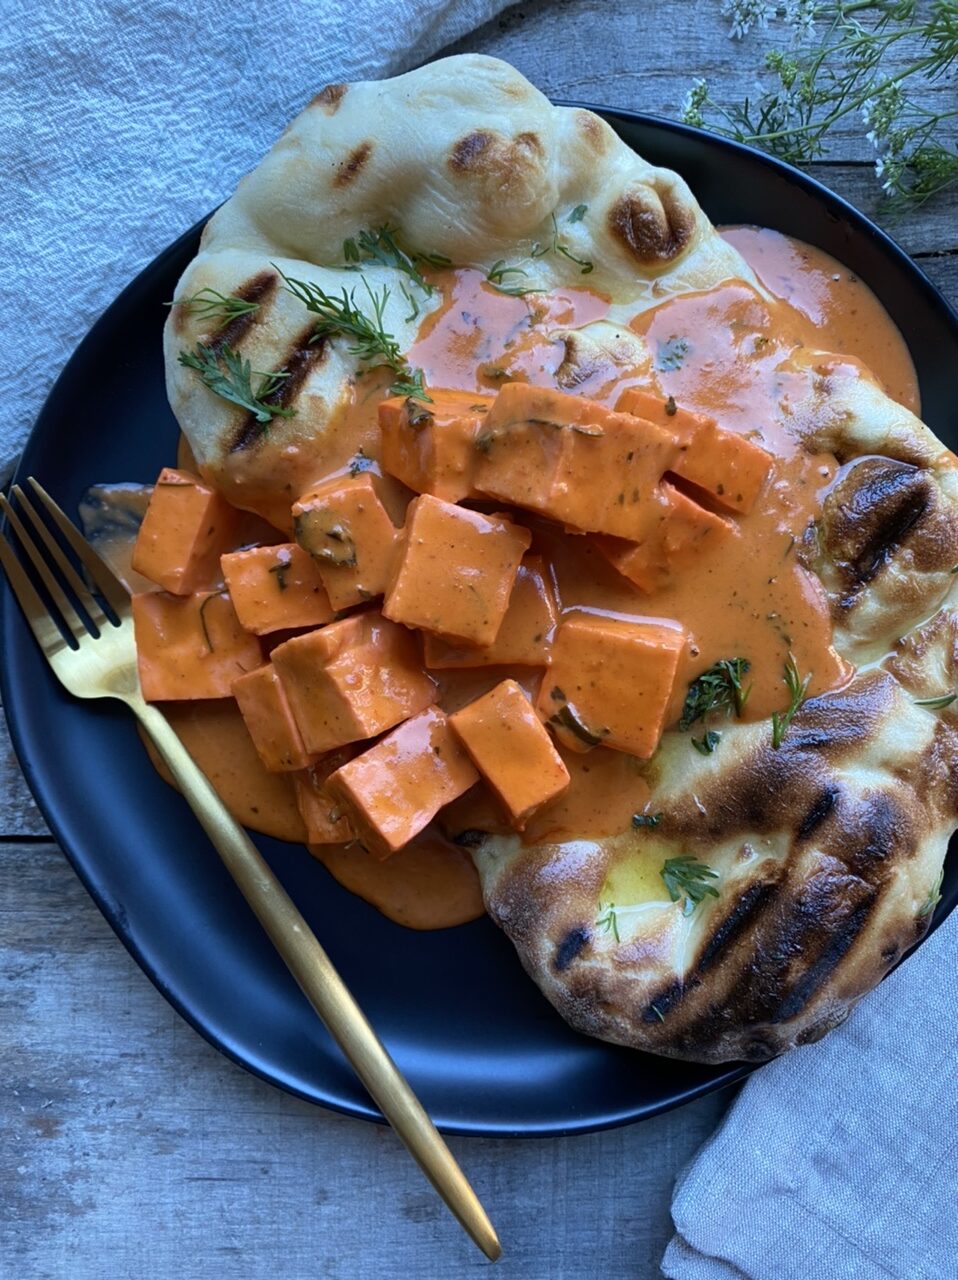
(393, 790)
(610, 683)
(681, 536)
(344, 526)
(511, 749)
(262, 700)
(431, 447)
(190, 646)
(351, 680)
(327, 821)
(723, 464)
(525, 637)
(186, 529)
(276, 588)
(572, 459)
(454, 571)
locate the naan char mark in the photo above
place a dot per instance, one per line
(655, 221)
(350, 168)
(303, 356)
(329, 98)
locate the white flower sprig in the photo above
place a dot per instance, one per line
(843, 73)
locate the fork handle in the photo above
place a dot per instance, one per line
(321, 984)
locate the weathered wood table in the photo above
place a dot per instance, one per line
(130, 1148)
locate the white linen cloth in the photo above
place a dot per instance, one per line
(122, 122)
(839, 1161)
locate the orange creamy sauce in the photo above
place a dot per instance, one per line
(717, 353)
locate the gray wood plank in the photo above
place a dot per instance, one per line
(131, 1145)
(646, 56)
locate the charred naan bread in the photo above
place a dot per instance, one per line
(827, 849)
(471, 162)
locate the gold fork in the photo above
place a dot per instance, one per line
(96, 658)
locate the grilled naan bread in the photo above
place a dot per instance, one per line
(829, 848)
(471, 162)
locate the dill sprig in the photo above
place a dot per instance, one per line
(340, 316)
(607, 920)
(556, 245)
(383, 246)
(210, 304)
(838, 68)
(687, 878)
(229, 376)
(496, 276)
(796, 686)
(717, 689)
(937, 704)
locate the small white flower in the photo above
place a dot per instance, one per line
(745, 14)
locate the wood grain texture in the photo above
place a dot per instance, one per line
(130, 1148)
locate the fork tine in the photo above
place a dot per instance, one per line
(48, 634)
(110, 585)
(74, 580)
(68, 612)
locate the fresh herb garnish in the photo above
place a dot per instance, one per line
(578, 213)
(707, 744)
(382, 246)
(202, 615)
(210, 304)
(646, 819)
(339, 316)
(539, 250)
(933, 898)
(608, 921)
(717, 689)
(796, 694)
(410, 384)
(672, 352)
(496, 276)
(566, 718)
(686, 878)
(229, 376)
(937, 704)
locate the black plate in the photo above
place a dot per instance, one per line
(484, 1050)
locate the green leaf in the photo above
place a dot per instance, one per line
(686, 880)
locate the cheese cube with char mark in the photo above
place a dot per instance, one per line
(455, 571)
(431, 447)
(186, 529)
(326, 820)
(683, 533)
(353, 679)
(190, 646)
(571, 459)
(729, 469)
(512, 750)
(395, 789)
(345, 527)
(262, 701)
(610, 682)
(276, 588)
(525, 637)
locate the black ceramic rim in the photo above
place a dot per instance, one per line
(656, 139)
